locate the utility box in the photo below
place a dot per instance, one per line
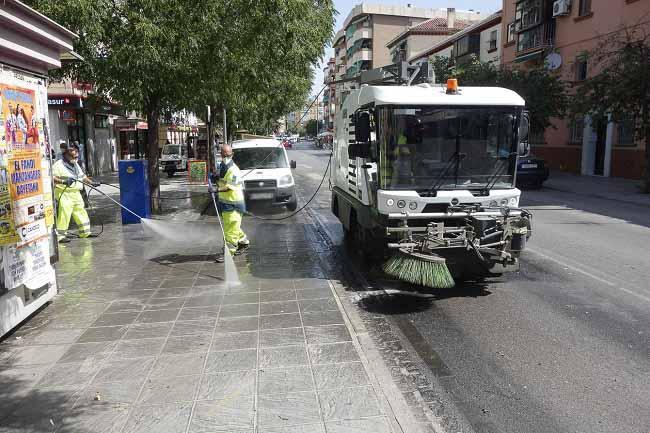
(134, 189)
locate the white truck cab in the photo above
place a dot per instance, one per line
(433, 169)
(266, 172)
(174, 158)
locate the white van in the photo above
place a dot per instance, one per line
(266, 172)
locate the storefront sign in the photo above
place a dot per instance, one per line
(72, 102)
(198, 172)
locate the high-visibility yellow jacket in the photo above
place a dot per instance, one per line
(63, 168)
(230, 178)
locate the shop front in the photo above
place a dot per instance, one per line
(132, 138)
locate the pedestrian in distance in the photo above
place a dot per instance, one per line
(231, 203)
(69, 180)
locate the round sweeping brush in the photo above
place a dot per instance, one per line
(422, 269)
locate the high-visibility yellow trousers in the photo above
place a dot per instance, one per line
(71, 204)
(232, 230)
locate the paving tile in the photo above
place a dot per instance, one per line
(68, 375)
(280, 357)
(231, 360)
(287, 409)
(227, 385)
(327, 334)
(169, 389)
(30, 355)
(277, 321)
(94, 416)
(281, 337)
(278, 295)
(194, 327)
(204, 301)
(332, 353)
(164, 303)
(164, 418)
(305, 428)
(56, 336)
(374, 425)
(107, 333)
(138, 348)
(179, 365)
(311, 305)
(187, 344)
(321, 293)
(237, 324)
(279, 381)
(199, 313)
(127, 370)
(311, 283)
(158, 316)
(207, 289)
(239, 310)
(113, 392)
(349, 403)
(147, 330)
(321, 318)
(185, 281)
(124, 306)
(234, 340)
(114, 319)
(281, 307)
(92, 353)
(171, 293)
(330, 376)
(242, 298)
(232, 415)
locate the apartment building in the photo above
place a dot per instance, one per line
(480, 40)
(558, 34)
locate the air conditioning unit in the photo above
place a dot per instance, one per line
(561, 7)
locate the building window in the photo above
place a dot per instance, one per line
(576, 128)
(101, 122)
(584, 8)
(581, 68)
(462, 46)
(510, 32)
(626, 132)
(493, 40)
(528, 14)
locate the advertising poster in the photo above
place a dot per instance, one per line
(8, 233)
(198, 172)
(25, 175)
(31, 232)
(29, 265)
(21, 124)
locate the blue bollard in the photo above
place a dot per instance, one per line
(134, 189)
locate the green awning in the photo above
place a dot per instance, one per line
(529, 56)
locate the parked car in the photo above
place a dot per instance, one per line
(532, 172)
(287, 143)
(266, 172)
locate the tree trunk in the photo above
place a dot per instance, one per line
(153, 119)
(646, 176)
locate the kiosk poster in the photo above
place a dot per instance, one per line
(198, 171)
(21, 125)
(8, 233)
(29, 265)
(25, 175)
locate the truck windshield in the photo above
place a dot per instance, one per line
(260, 157)
(428, 148)
(171, 150)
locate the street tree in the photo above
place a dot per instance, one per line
(311, 127)
(620, 86)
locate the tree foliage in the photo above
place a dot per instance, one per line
(253, 57)
(544, 92)
(311, 127)
(620, 87)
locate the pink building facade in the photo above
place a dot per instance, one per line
(557, 34)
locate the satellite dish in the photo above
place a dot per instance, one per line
(553, 61)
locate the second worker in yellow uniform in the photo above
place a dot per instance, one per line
(232, 205)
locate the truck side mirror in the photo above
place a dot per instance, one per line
(293, 164)
(524, 128)
(362, 127)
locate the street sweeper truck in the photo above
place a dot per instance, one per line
(423, 175)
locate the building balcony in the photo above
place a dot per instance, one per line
(360, 33)
(535, 38)
(362, 54)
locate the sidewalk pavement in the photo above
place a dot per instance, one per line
(610, 188)
(134, 345)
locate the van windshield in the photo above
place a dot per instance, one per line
(172, 150)
(260, 157)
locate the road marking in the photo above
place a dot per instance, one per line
(589, 274)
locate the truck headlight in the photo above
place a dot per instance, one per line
(401, 204)
(390, 202)
(413, 205)
(513, 202)
(285, 180)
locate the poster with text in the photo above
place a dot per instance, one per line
(25, 175)
(21, 129)
(29, 265)
(8, 233)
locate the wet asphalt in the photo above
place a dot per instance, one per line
(561, 346)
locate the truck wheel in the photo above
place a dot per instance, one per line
(293, 204)
(170, 173)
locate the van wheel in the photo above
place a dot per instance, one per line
(293, 204)
(170, 173)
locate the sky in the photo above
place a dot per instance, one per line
(345, 6)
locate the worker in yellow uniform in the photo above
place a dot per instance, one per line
(68, 178)
(231, 203)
